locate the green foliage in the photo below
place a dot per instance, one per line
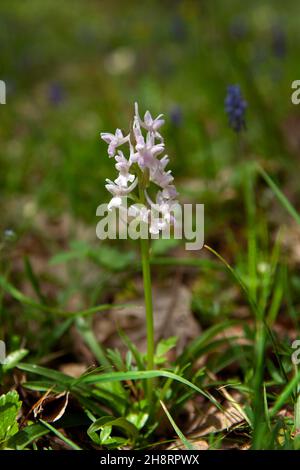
(13, 359)
(163, 347)
(106, 426)
(76, 76)
(179, 433)
(105, 256)
(10, 406)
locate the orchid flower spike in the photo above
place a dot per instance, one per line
(142, 166)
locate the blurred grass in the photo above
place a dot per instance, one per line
(73, 69)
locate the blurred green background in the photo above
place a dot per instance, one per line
(75, 68)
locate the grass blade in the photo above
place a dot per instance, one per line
(86, 331)
(280, 196)
(181, 436)
(23, 299)
(285, 394)
(144, 375)
(60, 435)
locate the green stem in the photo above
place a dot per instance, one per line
(148, 297)
(149, 308)
(259, 424)
(148, 303)
(297, 404)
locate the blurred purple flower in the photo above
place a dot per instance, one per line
(279, 46)
(235, 108)
(56, 93)
(176, 115)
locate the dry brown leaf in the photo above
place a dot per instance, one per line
(73, 369)
(51, 407)
(209, 419)
(199, 444)
(172, 317)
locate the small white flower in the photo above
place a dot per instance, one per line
(119, 190)
(162, 212)
(124, 179)
(169, 192)
(114, 140)
(114, 203)
(123, 166)
(162, 178)
(150, 124)
(139, 212)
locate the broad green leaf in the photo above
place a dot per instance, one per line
(106, 256)
(138, 418)
(65, 256)
(105, 424)
(9, 408)
(33, 432)
(113, 259)
(79, 249)
(163, 348)
(26, 436)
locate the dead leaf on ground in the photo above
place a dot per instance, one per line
(51, 407)
(73, 369)
(197, 444)
(209, 419)
(172, 317)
